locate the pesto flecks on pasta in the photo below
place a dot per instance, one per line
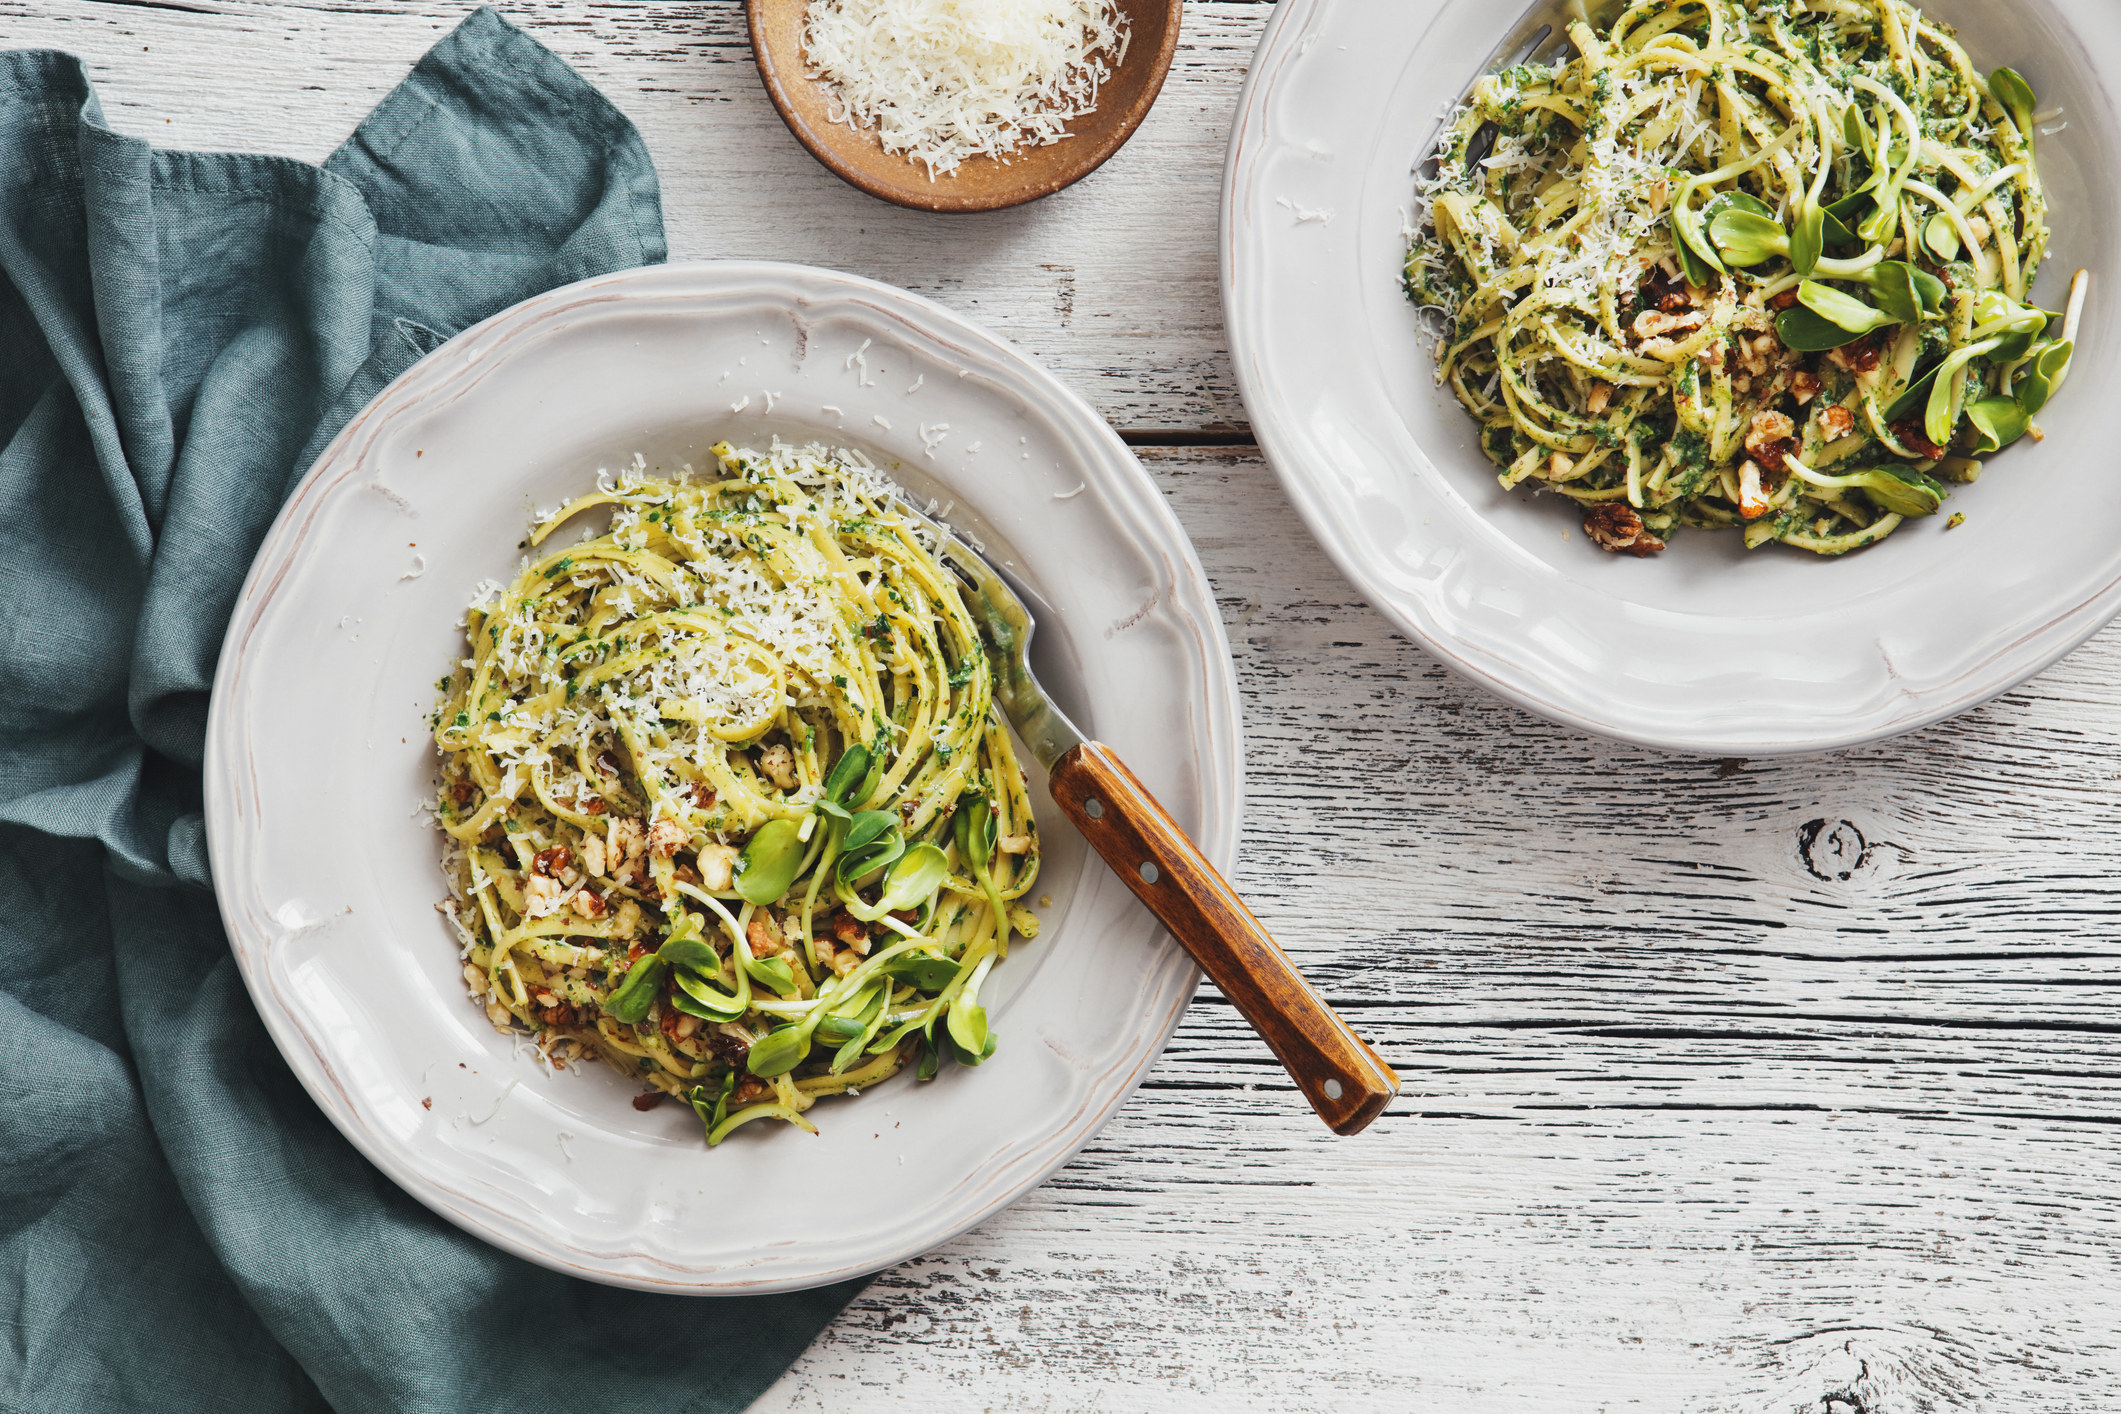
(1763, 265)
(725, 798)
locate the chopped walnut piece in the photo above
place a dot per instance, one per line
(1618, 527)
(702, 796)
(1768, 428)
(1652, 323)
(717, 866)
(1597, 398)
(588, 904)
(542, 895)
(730, 1042)
(777, 764)
(1663, 290)
(1754, 497)
(748, 1089)
(1804, 387)
(593, 855)
(1560, 464)
(1014, 844)
(764, 935)
(665, 837)
(1783, 300)
(1859, 357)
(552, 862)
(1912, 435)
(1836, 422)
(850, 933)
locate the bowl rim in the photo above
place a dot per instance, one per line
(1293, 451)
(232, 779)
(925, 197)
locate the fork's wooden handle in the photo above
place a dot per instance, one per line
(1341, 1076)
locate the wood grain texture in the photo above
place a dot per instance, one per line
(1337, 1072)
(1738, 1088)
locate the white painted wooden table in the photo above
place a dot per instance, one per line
(1735, 1087)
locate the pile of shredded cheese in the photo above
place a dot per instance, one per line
(944, 80)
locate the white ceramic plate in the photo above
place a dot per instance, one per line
(317, 769)
(1705, 647)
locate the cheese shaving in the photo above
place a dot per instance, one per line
(945, 80)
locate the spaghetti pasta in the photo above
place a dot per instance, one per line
(725, 799)
(1760, 264)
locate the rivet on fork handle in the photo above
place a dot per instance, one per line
(1341, 1076)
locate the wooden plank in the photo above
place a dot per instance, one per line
(1730, 1086)
(1686, 1125)
(1111, 284)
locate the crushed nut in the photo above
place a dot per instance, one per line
(1560, 464)
(777, 764)
(1836, 422)
(1804, 387)
(1597, 398)
(1909, 432)
(541, 895)
(1768, 427)
(717, 866)
(552, 862)
(1753, 496)
(850, 933)
(665, 837)
(748, 1089)
(593, 856)
(764, 935)
(1652, 323)
(1859, 357)
(588, 904)
(1014, 844)
(1784, 300)
(1618, 527)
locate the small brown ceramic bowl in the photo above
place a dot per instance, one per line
(980, 183)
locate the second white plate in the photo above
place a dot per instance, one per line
(1705, 647)
(318, 769)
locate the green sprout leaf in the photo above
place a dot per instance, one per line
(692, 953)
(1902, 490)
(841, 782)
(2045, 371)
(2009, 88)
(1746, 238)
(694, 997)
(771, 859)
(1808, 237)
(1856, 133)
(778, 1052)
(1999, 422)
(873, 841)
(1801, 329)
(630, 1001)
(772, 972)
(1940, 238)
(1903, 291)
(930, 974)
(1843, 310)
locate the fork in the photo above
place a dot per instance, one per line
(1334, 1068)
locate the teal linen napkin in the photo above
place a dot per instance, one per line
(180, 334)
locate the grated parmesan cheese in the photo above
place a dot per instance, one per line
(944, 80)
